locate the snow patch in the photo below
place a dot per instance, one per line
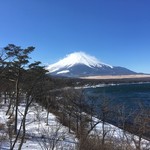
(64, 71)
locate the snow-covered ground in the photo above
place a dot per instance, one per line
(41, 136)
(119, 135)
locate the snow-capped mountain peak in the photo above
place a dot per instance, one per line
(81, 58)
(75, 59)
(80, 64)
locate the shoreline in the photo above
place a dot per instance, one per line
(138, 76)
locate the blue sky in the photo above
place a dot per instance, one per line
(115, 31)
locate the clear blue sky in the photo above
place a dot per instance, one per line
(115, 31)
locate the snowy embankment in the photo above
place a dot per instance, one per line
(120, 136)
(39, 135)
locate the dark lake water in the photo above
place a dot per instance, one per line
(130, 99)
(129, 95)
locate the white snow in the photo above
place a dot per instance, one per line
(64, 71)
(39, 135)
(74, 59)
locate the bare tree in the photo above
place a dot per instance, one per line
(52, 137)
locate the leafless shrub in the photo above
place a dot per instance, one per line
(2, 126)
(3, 137)
(53, 137)
(10, 129)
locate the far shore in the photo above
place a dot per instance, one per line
(118, 76)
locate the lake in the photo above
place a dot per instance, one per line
(129, 95)
(130, 100)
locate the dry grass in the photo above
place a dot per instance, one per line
(2, 126)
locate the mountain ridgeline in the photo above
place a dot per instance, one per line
(79, 64)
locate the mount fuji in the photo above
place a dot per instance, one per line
(80, 64)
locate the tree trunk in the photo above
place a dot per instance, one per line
(28, 102)
(16, 103)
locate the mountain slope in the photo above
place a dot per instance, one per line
(80, 64)
(75, 59)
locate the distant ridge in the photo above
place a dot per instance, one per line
(80, 64)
